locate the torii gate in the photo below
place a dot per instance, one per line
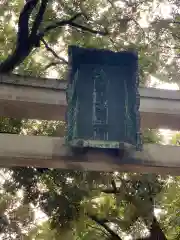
(26, 97)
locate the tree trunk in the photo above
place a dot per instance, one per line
(15, 59)
(156, 232)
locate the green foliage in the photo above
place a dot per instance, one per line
(10, 125)
(151, 136)
(170, 203)
(43, 232)
(175, 140)
(16, 217)
(154, 41)
(47, 128)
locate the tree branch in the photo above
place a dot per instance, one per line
(52, 64)
(26, 43)
(113, 183)
(59, 24)
(23, 45)
(71, 23)
(114, 45)
(38, 19)
(23, 23)
(114, 189)
(102, 223)
(86, 29)
(63, 61)
(76, 16)
(98, 229)
(156, 231)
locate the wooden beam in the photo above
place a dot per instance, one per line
(33, 98)
(27, 97)
(50, 152)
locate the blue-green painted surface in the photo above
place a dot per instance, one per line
(103, 99)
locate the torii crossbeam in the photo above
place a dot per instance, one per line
(25, 97)
(39, 98)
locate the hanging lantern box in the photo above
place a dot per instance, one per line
(103, 100)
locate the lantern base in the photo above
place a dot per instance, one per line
(121, 150)
(94, 144)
